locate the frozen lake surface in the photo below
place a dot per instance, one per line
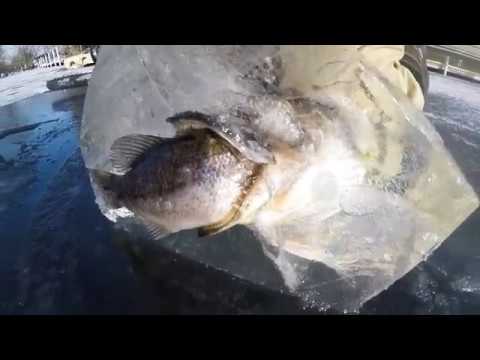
(28, 83)
(59, 255)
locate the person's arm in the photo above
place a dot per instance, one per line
(333, 68)
(404, 66)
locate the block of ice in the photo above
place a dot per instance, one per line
(365, 192)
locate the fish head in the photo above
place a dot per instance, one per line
(266, 137)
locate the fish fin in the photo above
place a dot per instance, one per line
(127, 149)
(155, 231)
(105, 181)
(233, 129)
(102, 178)
(215, 228)
(190, 120)
(203, 232)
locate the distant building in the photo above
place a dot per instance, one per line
(49, 58)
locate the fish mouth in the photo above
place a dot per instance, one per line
(235, 213)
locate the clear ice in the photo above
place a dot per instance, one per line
(371, 193)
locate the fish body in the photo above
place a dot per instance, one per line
(196, 180)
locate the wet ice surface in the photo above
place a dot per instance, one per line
(49, 264)
(60, 255)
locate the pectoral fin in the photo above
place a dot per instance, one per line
(128, 149)
(155, 231)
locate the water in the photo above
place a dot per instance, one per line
(56, 255)
(59, 255)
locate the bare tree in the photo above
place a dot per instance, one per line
(4, 66)
(24, 56)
